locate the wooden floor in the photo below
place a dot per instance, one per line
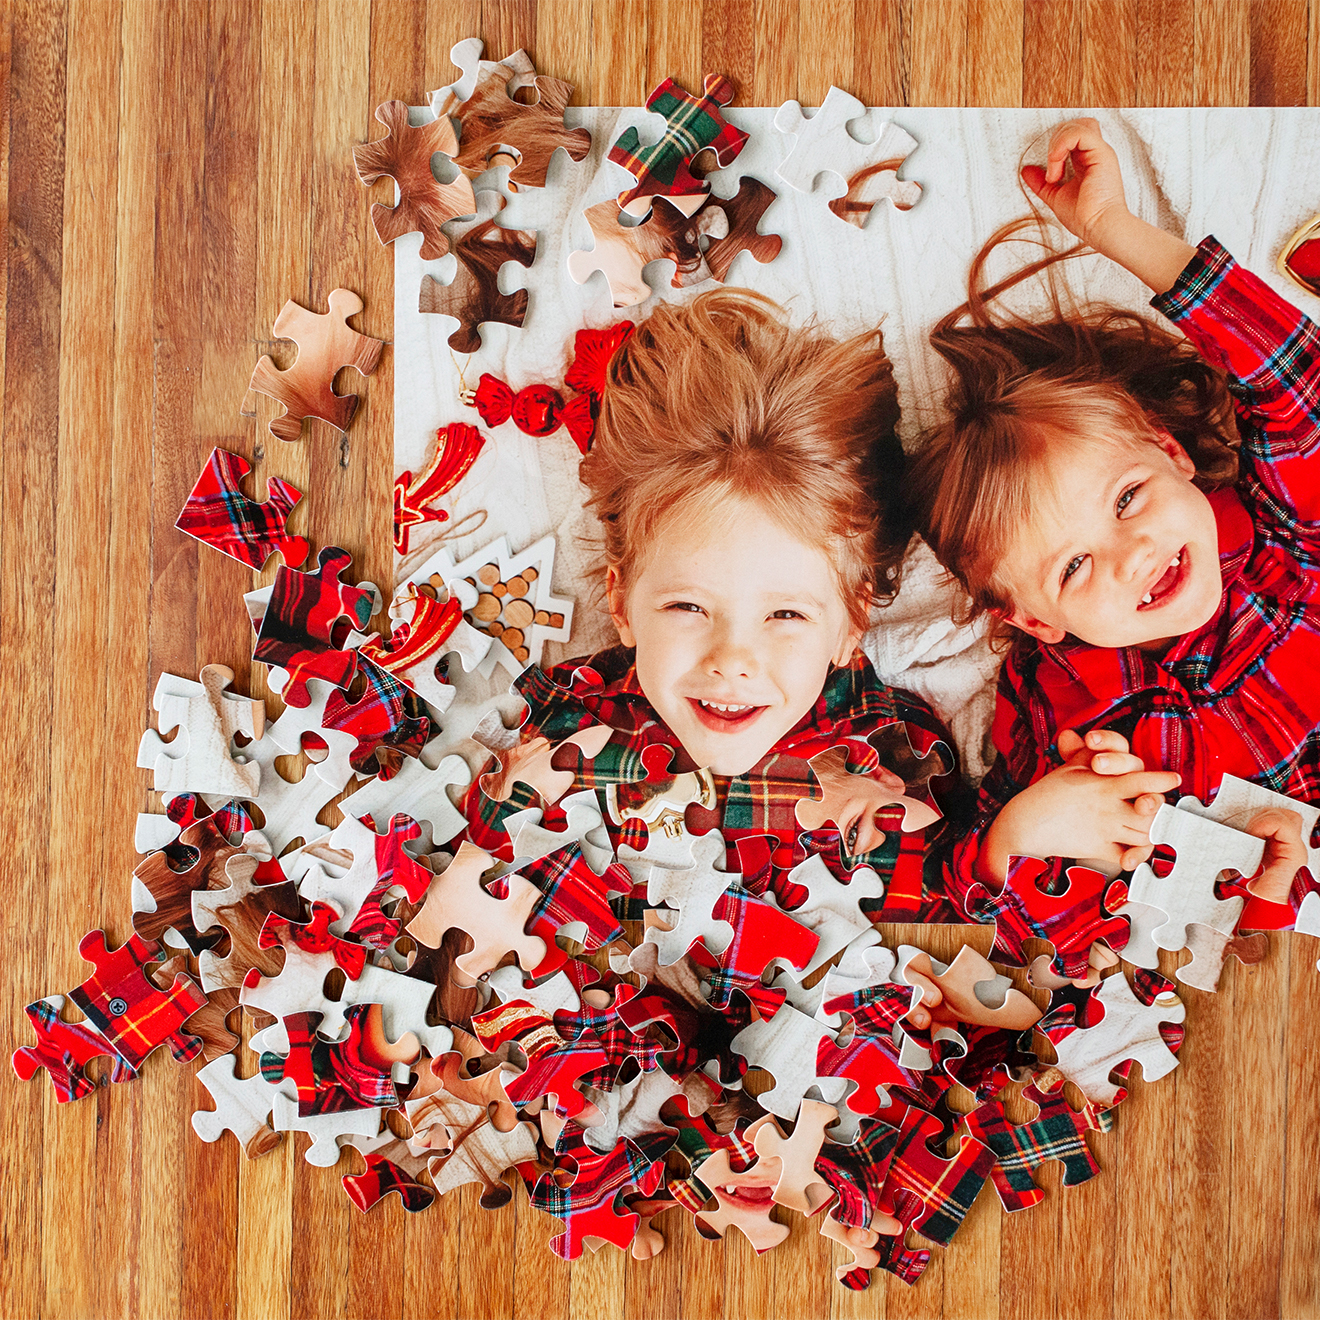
(171, 173)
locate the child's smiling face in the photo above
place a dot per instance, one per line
(735, 622)
(1125, 554)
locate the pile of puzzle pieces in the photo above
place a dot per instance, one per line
(628, 1027)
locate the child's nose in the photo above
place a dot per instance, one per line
(731, 658)
(1136, 558)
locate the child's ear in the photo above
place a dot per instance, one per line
(618, 603)
(1045, 632)
(1182, 460)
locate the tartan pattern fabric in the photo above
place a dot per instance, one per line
(332, 1077)
(927, 1192)
(1240, 694)
(394, 867)
(697, 1141)
(302, 620)
(760, 932)
(121, 1002)
(694, 125)
(417, 641)
(64, 1049)
(312, 936)
(854, 709)
(572, 891)
(220, 515)
(586, 1204)
(1058, 1132)
(1071, 921)
(858, 1172)
(389, 721)
(617, 1039)
(381, 1177)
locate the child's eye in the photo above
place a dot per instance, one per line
(1071, 567)
(1126, 498)
(787, 614)
(687, 606)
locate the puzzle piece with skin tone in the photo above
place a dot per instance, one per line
(633, 1110)
(823, 144)
(218, 514)
(405, 155)
(622, 252)
(306, 621)
(241, 909)
(417, 791)
(860, 1241)
(786, 1046)
(954, 994)
(457, 899)
(1204, 850)
(445, 1072)
(65, 1049)
(326, 343)
(496, 129)
(207, 718)
(1128, 1030)
(530, 763)
(242, 1106)
(693, 125)
(851, 800)
(127, 1008)
(743, 1201)
(799, 1186)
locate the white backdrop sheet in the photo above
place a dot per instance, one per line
(1248, 176)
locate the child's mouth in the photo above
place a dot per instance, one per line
(1169, 583)
(723, 717)
(749, 1198)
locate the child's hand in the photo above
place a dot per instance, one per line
(1099, 804)
(1285, 853)
(1093, 196)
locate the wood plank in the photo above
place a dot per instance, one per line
(937, 40)
(994, 53)
(1165, 63)
(673, 43)
(1278, 52)
(1223, 52)
(1109, 52)
(775, 57)
(729, 44)
(825, 49)
(563, 36)
(879, 67)
(618, 44)
(1299, 1274)
(1052, 52)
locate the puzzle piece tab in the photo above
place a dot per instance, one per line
(242, 1106)
(65, 1049)
(326, 342)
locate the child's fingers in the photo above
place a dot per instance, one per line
(1117, 763)
(1074, 135)
(1106, 740)
(1133, 785)
(1285, 853)
(1147, 804)
(1133, 857)
(1070, 744)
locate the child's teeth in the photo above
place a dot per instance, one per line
(715, 705)
(1145, 600)
(1177, 559)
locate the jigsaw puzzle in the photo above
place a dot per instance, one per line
(456, 448)
(326, 343)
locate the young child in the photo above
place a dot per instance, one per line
(1160, 582)
(744, 474)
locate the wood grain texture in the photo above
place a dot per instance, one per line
(172, 172)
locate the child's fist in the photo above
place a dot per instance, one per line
(1285, 853)
(1089, 199)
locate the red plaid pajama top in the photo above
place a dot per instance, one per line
(756, 811)
(1241, 695)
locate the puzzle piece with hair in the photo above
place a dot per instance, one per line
(741, 215)
(824, 143)
(474, 297)
(218, 514)
(694, 124)
(495, 128)
(475, 1150)
(1131, 1028)
(207, 718)
(307, 620)
(326, 343)
(242, 1106)
(240, 909)
(1057, 1132)
(64, 1049)
(405, 154)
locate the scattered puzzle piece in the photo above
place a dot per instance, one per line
(425, 203)
(742, 1201)
(419, 792)
(207, 718)
(693, 125)
(171, 887)
(1211, 949)
(242, 1107)
(379, 1179)
(65, 1049)
(623, 251)
(823, 144)
(456, 448)
(241, 909)
(799, 1186)
(329, 1132)
(742, 214)
(219, 515)
(326, 342)
(786, 1046)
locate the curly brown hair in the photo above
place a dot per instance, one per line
(1019, 386)
(720, 398)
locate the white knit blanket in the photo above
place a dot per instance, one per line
(1248, 176)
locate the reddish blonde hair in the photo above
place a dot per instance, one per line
(718, 399)
(1019, 388)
